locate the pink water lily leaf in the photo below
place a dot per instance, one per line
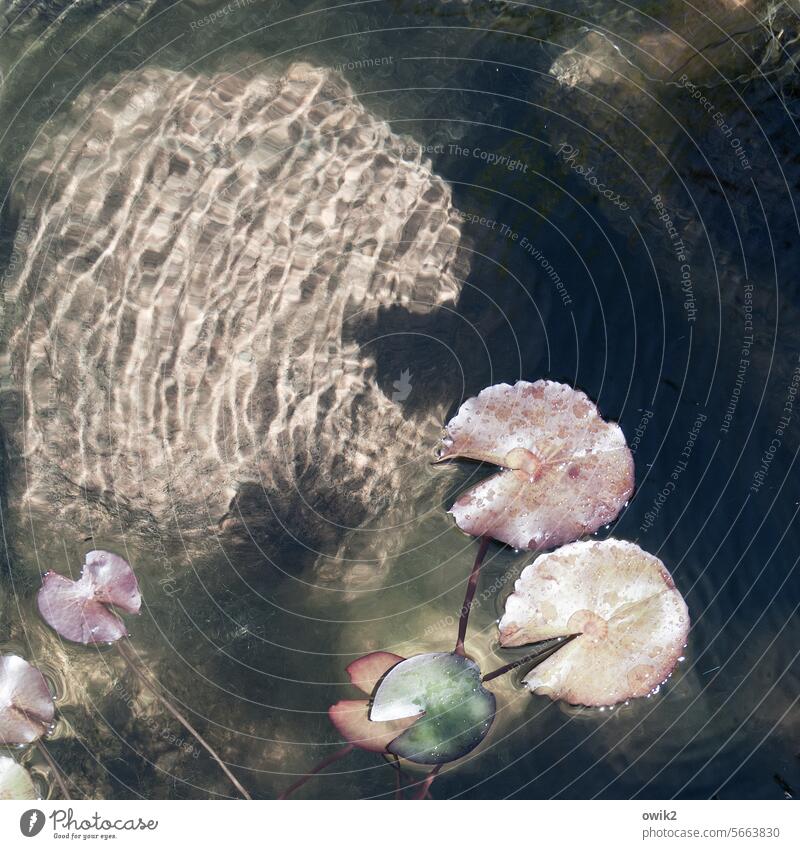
(365, 672)
(566, 471)
(350, 717)
(80, 610)
(632, 623)
(26, 704)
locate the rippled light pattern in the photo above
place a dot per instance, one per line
(201, 253)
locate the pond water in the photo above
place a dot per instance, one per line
(624, 177)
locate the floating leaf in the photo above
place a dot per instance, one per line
(366, 671)
(566, 471)
(631, 619)
(26, 704)
(458, 711)
(351, 719)
(79, 610)
(351, 716)
(15, 782)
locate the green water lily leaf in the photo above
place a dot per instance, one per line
(458, 711)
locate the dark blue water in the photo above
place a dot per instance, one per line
(636, 238)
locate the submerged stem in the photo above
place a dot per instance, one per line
(472, 585)
(426, 784)
(395, 764)
(540, 655)
(154, 689)
(54, 767)
(323, 764)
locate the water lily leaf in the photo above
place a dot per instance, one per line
(458, 711)
(631, 620)
(566, 472)
(365, 672)
(79, 610)
(26, 704)
(351, 719)
(15, 781)
(351, 716)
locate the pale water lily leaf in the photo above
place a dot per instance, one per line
(566, 471)
(631, 620)
(79, 610)
(26, 704)
(15, 781)
(458, 711)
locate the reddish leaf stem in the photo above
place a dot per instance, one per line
(54, 767)
(540, 655)
(323, 764)
(151, 685)
(395, 763)
(426, 784)
(472, 585)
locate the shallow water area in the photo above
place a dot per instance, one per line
(622, 220)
